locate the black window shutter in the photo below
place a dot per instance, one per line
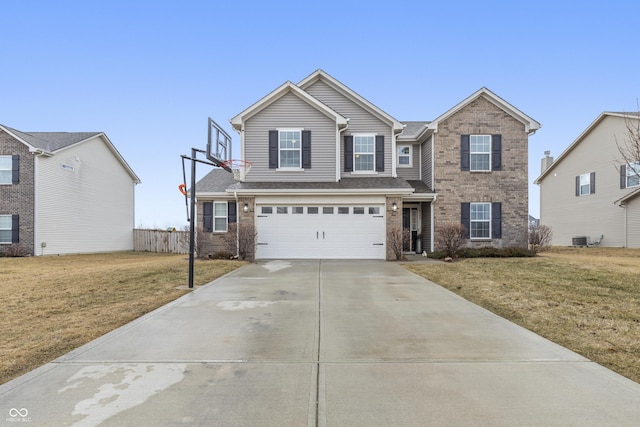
(592, 183)
(207, 216)
(273, 149)
(306, 149)
(232, 215)
(465, 218)
(15, 169)
(464, 152)
(496, 152)
(15, 228)
(578, 185)
(379, 153)
(623, 176)
(496, 220)
(348, 153)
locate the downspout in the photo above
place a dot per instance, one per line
(394, 154)
(433, 237)
(433, 181)
(339, 134)
(235, 194)
(35, 206)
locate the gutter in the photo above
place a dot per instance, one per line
(338, 147)
(237, 225)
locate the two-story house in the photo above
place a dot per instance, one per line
(63, 193)
(590, 193)
(334, 176)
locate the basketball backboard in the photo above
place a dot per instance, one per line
(218, 145)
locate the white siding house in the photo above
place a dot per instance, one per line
(585, 192)
(75, 194)
(84, 200)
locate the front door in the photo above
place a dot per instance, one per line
(410, 222)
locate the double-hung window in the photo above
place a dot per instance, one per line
(220, 210)
(633, 174)
(6, 171)
(480, 152)
(404, 156)
(586, 184)
(5, 229)
(290, 148)
(364, 147)
(480, 225)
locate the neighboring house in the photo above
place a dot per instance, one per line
(589, 191)
(63, 193)
(334, 176)
(533, 222)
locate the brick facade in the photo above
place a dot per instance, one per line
(19, 199)
(212, 242)
(508, 186)
(394, 222)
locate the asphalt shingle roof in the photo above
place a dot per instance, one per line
(219, 180)
(412, 129)
(51, 141)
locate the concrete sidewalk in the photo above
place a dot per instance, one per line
(327, 343)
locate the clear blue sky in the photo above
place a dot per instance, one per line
(149, 74)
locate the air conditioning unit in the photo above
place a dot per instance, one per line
(579, 241)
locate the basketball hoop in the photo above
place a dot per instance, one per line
(240, 168)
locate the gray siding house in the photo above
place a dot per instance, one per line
(589, 192)
(64, 193)
(335, 176)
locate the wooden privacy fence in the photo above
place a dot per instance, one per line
(173, 242)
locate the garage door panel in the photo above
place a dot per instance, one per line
(321, 235)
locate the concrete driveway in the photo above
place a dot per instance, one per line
(321, 343)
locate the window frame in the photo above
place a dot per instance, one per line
(10, 170)
(357, 153)
(408, 156)
(632, 172)
(216, 216)
(473, 153)
(586, 176)
(483, 220)
(288, 149)
(10, 229)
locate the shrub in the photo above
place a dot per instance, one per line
(540, 238)
(241, 239)
(450, 238)
(487, 252)
(398, 237)
(223, 255)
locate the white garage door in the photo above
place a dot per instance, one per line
(330, 232)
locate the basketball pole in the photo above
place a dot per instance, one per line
(192, 218)
(192, 223)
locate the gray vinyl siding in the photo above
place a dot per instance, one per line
(427, 163)
(633, 224)
(414, 171)
(591, 215)
(360, 121)
(291, 112)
